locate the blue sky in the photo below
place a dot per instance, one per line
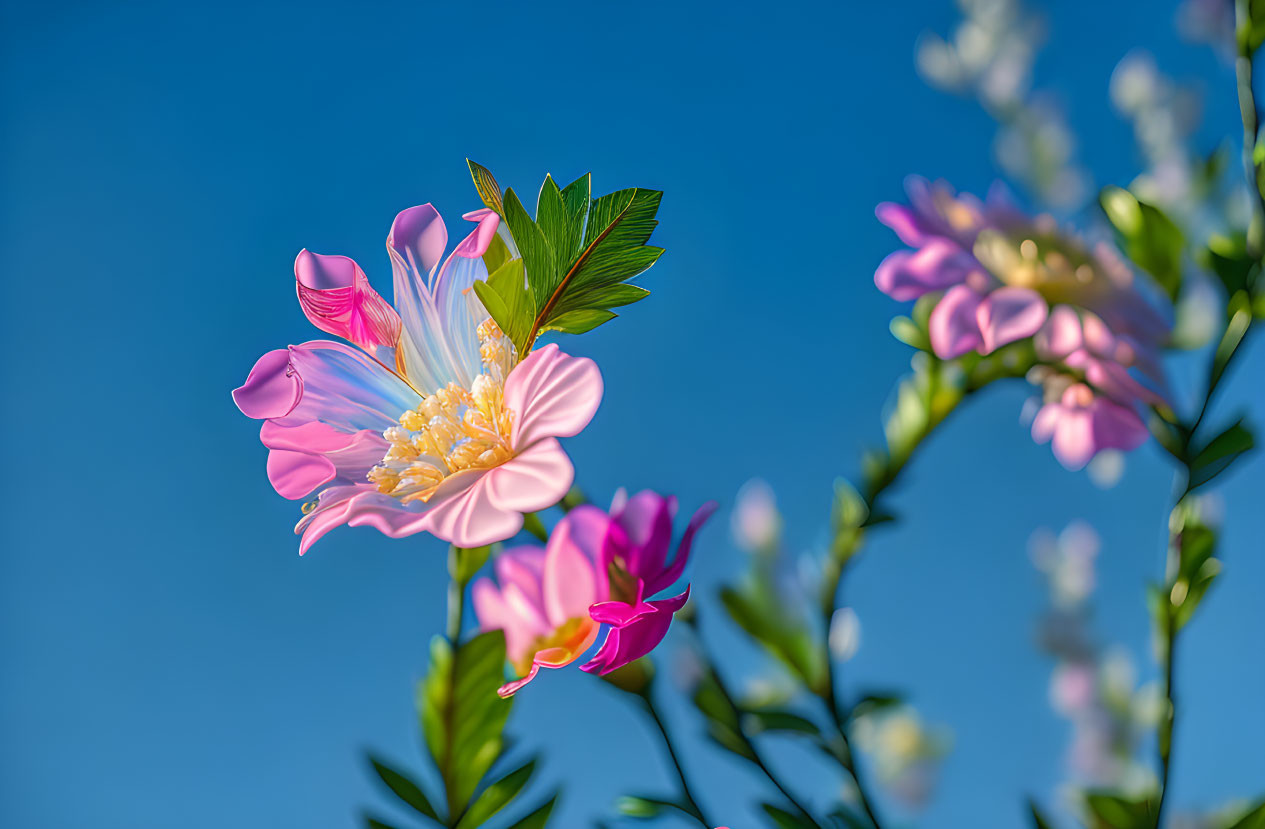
(169, 660)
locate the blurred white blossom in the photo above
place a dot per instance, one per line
(905, 752)
(756, 524)
(845, 634)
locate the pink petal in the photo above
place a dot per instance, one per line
(571, 583)
(295, 474)
(1061, 334)
(647, 519)
(1010, 314)
(534, 479)
(552, 395)
(633, 641)
(1074, 441)
(669, 576)
(469, 518)
(271, 389)
(525, 567)
(1098, 337)
(937, 265)
(476, 244)
(1117, 427)
(954, 325)
(510, 688)
(903, 220)
(336, 297)
(343, 387)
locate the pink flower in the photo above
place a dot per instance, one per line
(432, 423)
(543, 601)
(635, 555)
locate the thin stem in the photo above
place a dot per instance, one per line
(456, 600)
(1167, 652)
(695, 810)
(1251, 121)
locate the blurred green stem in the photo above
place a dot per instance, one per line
(695, 810)
(1254, 167)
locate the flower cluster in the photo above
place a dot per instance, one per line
(998, 276)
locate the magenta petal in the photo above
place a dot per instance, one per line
(418, 236)
(937, 265)
(635, 640)
(476, 244)
(336, 297)
(903, 220)
(1117, 427)
(619, 614)
(552, 395)
(295, 474)
(669, 576)
(314, 437)
(1010, 314)
(954, 323)
(647, 520)
(272, 389)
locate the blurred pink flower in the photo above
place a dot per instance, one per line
(635, 556)
(543, 601)
(432, 423)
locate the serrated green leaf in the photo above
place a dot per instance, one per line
(578, 322)
(538, 817)
(537, 254)
(496, 796)
(485, 184)
(462, 716)
(602, 298)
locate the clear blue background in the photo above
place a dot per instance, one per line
(169, 660)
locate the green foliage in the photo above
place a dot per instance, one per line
(1039, 820)
(462, 716)
(1197, 567)
(778, 720)
(1111, 811)
(405, 789)
(464, 562)
(1227, 257)
(723, 725)
(1254, 818)
(644, 807)
(1235, 329)
(756, 609)
(1219, 452)
(538, 817)
(575, 257)
(1148, 236)
(496, 796)
(874, 701)
(784, 819)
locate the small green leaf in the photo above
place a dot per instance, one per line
(496, 796)
(539, 816)
(875, 701)
(372, 822)
(1223, 450)
(783, 818)
(1111, 811)
(1254, 818)
(537, 253)
(778, 720)
(1235, 330)
(645, 808)
(757, 611)
(466, 561)
(509, 302)
(485, 184)
(1039, 820)
(405, 789)
(1148, 236)
(462, 716)
(908, 332)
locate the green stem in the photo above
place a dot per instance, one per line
(456, 600)
(695, 810)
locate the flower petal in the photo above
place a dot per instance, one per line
(572, 582)
(673, 572)
(1010, 314)
(552, 395)
(954, 324)
(343, 387)
(534, 479)
(635, 640)
(1061, 334)
(336, 297)
(294, 474)
(469, 517)
(937, 265)
(271, 389)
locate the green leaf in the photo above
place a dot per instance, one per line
(722, 720)
(539, 816)
(497, 795)
(1148, 236)
(779, 720)
(645, 808)
(1235, 329)
(1227, 257)
(1039, 821)
(908, 332)
(372, 822)
(509, 302)
(783, 818)
(1223, 450)
(1110, 811)
(485, 184)
(578, 322)
(757, 611)
(466, 561)
(535, 248)
(405, 789)
(462, 716)
(1253, 819)
(875, 701)
(1196, 570)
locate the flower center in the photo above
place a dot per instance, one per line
(452, 430)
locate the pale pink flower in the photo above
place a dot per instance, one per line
(544, 595)
(432, 423)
